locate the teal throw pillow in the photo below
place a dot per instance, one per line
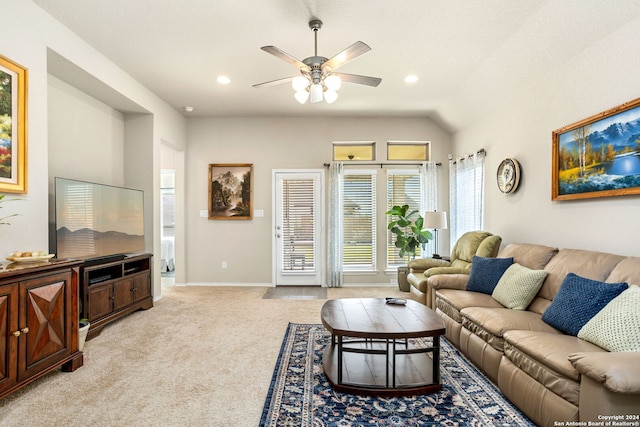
(577, 301)
(485, 273)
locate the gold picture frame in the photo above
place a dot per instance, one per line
(231, 191)
(598, 156)
(13, 127)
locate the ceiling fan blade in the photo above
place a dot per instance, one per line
(361, 80)
(274, 82)
(346, 56)
(284, 56)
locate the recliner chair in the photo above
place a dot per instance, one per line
(480, 243)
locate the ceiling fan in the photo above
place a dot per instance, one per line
(318, 79)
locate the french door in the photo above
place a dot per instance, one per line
(298, 217)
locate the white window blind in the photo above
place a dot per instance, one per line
(403, 188)
(359, 220)
(299, 240)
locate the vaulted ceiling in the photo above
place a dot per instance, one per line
(466, 53)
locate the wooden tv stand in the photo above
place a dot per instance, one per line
(38, 321)
(111, 290)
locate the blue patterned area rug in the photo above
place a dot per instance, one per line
(300, 394)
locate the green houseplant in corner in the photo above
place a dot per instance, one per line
(2, 219)
(407, 226)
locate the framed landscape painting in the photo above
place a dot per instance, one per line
(598, 156)
(13, 136)
(230, 191)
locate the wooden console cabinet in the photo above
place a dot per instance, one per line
(38, 321)
(114, 289)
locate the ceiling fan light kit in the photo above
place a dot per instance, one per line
(318, 80)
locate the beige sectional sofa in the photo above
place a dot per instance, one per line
(553, 377)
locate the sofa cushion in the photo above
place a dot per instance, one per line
(491, 323)
(518, 286)
(451, 301)
(578, 300)
(527, 254)
(544, 357)
(627, 270)
(485, 273)
(590, 264)
(617, 326)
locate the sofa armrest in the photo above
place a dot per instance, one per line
(617, 372)
(446, 270)
(448, 281)
(419, 265)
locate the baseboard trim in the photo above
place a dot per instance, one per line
(227, 284)
(271, 285)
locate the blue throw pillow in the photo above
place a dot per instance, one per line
(486, 272)
(577, 301)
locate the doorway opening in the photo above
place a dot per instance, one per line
(168, 227)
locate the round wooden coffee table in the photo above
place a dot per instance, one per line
(371, 351)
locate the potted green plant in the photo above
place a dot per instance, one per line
(2, 220)
(83, 330)
(407, 226)
(83, 327)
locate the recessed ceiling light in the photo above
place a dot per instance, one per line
(223, 80)
(188, 109)
(411, 79)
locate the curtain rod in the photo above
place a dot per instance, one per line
(468, 156)
(326, 165)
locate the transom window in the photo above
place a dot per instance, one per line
(408, 150)
(354, 150)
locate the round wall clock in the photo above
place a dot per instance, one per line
(508, 176)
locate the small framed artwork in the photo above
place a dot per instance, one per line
(231, 191)
(598, 156)
(13, 127)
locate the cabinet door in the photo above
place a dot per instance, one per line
(45, 325)
(8, 341)
(142, 286)
(122, 293)
(99, 301)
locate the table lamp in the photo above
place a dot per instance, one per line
(435, 221)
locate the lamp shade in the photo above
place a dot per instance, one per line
(330, 96)
(435, 220)
(316, 93)
(301, 96)
(299, 83)
(333, 82)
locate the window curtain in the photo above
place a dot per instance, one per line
(466, 181)
(334, 256)
(429, 186)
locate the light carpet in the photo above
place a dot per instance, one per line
(295, 292)
(203, 356)
(301, 396)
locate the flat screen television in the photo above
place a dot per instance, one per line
(97, 221)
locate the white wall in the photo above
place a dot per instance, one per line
(274, 143)
(86, 136)
(26, 37)
(599, 78)
(20, 43)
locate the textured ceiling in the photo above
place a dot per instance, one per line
(466, 53)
